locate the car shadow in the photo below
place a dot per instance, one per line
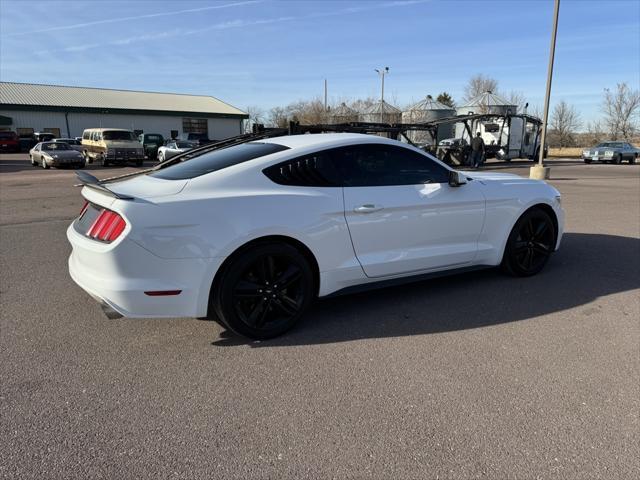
(588, 266)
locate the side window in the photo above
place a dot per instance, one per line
(313, 170)
(377, 165)
(85, 135)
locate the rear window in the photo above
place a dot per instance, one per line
(217, 160)
(154, 138)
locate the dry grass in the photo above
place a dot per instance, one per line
(565, 152)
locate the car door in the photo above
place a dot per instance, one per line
(402, 214)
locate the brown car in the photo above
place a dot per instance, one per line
(109, 146)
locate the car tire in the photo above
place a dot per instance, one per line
(80, 165)
(139, 163)
(587, 161)
(263, 292)
(530, 244)
(103, 161)
(633, 159)
(618, 159)
(160, 157)
(87, 159)
(45, 165)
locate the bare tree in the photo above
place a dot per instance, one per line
(278, 117)
(594, 134)
(479, 84)
(518, 99)
(564, 122)
(446, 99)
(621, 109)
(256, 115)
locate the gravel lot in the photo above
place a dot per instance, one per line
(471, 376)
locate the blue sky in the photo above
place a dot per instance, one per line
(271, 52)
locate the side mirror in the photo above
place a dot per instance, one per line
(456, 178)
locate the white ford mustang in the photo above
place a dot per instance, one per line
(254, 232)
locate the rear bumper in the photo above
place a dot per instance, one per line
(118, 275)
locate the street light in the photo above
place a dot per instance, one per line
(382, 73)
(539, 171)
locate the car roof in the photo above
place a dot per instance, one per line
(109, 129)
(326, 139)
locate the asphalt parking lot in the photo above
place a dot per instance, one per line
(473, 376)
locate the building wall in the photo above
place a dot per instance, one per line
(219, 128)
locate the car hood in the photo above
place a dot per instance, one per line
(144, 186)
(64, 153)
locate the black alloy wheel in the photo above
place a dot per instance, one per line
(530, 244)
(263, 292)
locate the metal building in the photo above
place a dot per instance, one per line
(382, 112)
(67, 111)
(428, 110)
(343, 114)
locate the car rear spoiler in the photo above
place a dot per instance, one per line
(89, 181)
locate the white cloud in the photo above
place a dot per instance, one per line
(137, 17)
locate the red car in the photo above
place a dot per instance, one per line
(9, 142)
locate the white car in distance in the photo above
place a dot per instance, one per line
(254, 232)
(174, 147)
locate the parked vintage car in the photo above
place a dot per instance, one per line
(72, 142)
(171, 148)
(9, 141)
(55, 154)
(151, 142)
(611, 152)
(111, 146)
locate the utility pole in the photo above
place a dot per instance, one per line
(382, 72)
(325, 97)
(539, 171)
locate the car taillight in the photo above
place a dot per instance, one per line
(107, 227)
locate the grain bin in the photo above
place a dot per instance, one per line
(488, 102)
(382, 112)
(428, 110)
(343, 114)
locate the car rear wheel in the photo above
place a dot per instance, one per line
(633, 159)
(618, 159)
(264, 291)
(530, 244)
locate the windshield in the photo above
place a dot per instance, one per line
(154, 139)
(217, 160)
(185, 145)
(55, 146)
(117, 135)
(611, 144)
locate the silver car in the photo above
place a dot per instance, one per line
(55, 154)
(611, 152)
(171, 148)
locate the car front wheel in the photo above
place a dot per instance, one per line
(264, 291)
(530, 244)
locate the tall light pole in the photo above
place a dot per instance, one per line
(540, 171)
(382, 72)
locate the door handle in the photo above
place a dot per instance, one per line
(367, 208)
